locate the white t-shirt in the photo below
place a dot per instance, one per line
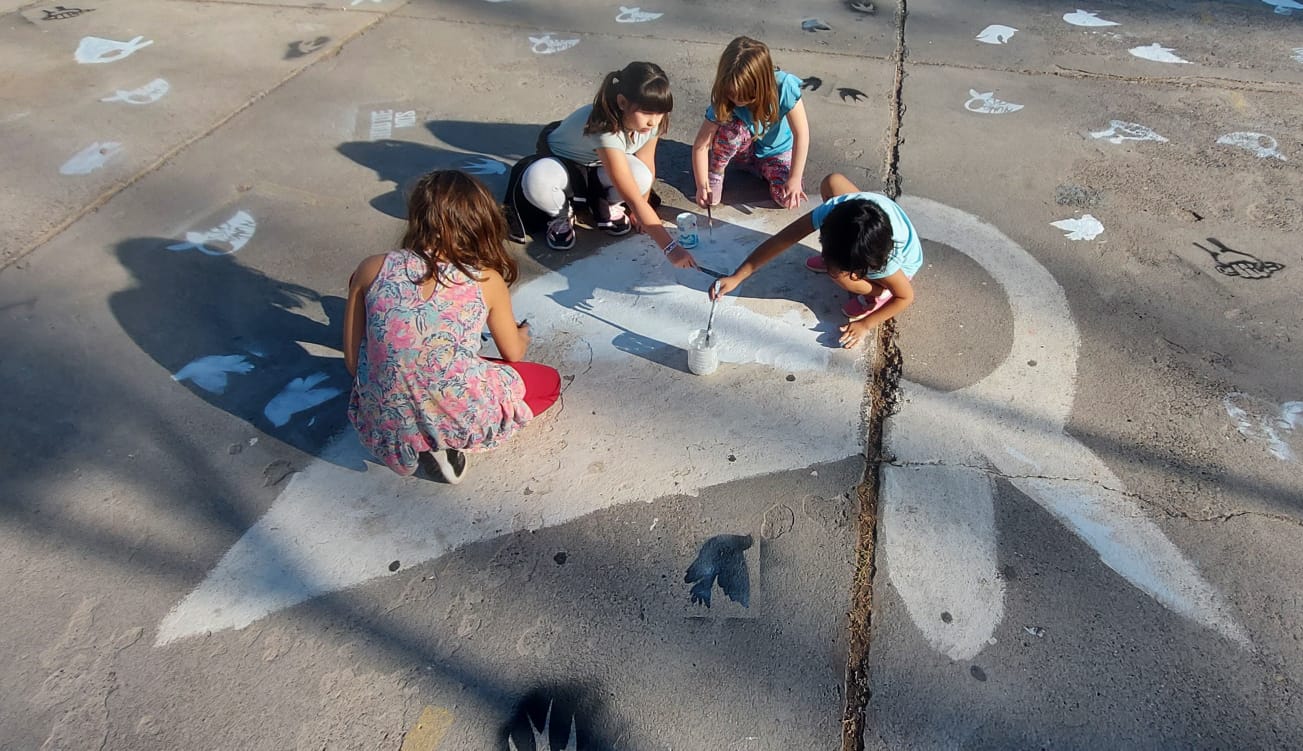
(569, 142)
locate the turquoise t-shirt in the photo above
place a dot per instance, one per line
(906, 251)
(779, 136)
(569, 142)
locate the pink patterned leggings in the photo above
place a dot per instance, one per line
(734, 142)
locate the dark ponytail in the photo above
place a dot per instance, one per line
(644, 85)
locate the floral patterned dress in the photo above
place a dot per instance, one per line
(421, 384)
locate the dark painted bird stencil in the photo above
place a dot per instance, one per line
(721, 558)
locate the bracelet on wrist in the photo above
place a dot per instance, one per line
(669, 248)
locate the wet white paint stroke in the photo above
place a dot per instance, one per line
(987, 104)
(603, 319)
(1260, 145)
(299, 395)
(1087, 18)
(482, 165)
(1158, 53)
(1013, 421)
(1284, 7)
(91, 158)
(1257, 419)
(211, 373)
(1086, 227)
(93, 50)
(147, 94)
(996, 34)
(1119, 131)
(226, 238)
(546, 45)
(636, 15)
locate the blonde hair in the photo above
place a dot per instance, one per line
(644, 85)
(452, 218)
(746, 73)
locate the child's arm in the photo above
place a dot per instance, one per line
(794, 193)
(701, 161)
(764, 253)
(355, 309)
(617, 166)
(902, 296)
(512, 338)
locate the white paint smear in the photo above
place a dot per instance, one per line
(618, 322)
(482, 165)
(1256, 419)
(299, 395)
(211, 373)
(1260, 145)
(147, 94)
(1086, 227)
(546, 45)
(224, 239)
(636, 15)
(1086, 18)
(1284, 7)
(94, 50)
(1119, 131)
(996, 34)
(1012, 420)
(1158, 53)
(1298, 54)
(91, 158)
(987, 104)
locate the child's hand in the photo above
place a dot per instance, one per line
(682, 259)
(723, 286)
(793, 192)
(853, 334)
(703, 196)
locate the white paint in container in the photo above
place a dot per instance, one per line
(703, 352)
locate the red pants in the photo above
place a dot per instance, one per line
(542, 384)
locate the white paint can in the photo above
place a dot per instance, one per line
(687, 224)
(703, 353)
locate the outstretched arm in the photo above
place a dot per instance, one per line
(617, 167)
(793, 191)
(764, 253)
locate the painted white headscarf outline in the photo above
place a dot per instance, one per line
(939, 534)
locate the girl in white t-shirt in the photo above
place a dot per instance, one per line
(604, 156)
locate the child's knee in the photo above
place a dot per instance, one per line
(836, 184)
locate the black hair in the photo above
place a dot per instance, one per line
(646, 87)
(856, 237)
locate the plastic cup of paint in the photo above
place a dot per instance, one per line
(703, 353)
(687, 223)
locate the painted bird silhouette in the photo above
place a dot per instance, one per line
(721, 557)
(812, 83)
(854, 95)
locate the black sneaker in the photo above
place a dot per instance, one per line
(618, 225)
(515, 227)
(561, 231)
(451, 463)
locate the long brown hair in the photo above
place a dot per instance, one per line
(746, 73)
(644, 85)
(452, 218)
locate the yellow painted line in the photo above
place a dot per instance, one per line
(429, 730)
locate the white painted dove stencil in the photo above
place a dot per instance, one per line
(1119, 131)
(1085, 228)
(1087, 18)
(546, 45)
(94, 50)
(298, 395)
(147, 94)
(211, 373)
(235, 233)
(996, 34)
(987, 104)
(1158, 53)
(636, 15)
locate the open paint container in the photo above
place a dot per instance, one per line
(703, 355)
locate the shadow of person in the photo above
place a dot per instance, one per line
(399, 162)
(258, 348)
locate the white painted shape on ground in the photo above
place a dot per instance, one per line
(1257, 419)
(147, 94)
(636, 15)
(940, 536)
(299, 395)
(93, 50)
(547, 45)
(1260, 145)
(91, 158)
(1298, 54)
(1119, 131)
(1158, 53)
(658, 429)
(1014, 419)
(235, 233)
(211, 373)
(1086, 18)
(1086, 227)
(987, 104)
(483, 165)
(1284, 7)
(996, 34)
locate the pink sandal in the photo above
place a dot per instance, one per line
(859, 308)
(816, 264)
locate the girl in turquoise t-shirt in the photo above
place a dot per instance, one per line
(755, 119)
